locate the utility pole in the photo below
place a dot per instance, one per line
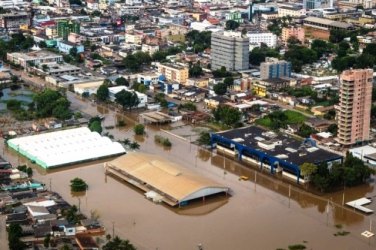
(113, 229)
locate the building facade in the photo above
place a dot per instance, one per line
(65, 27)
(257, 38)
(274, 68)
(33, 58)
(13, 21)
(354, 109)
(174, 73)
(229, 50)
(297, 32)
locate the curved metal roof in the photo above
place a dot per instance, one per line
(165, 177)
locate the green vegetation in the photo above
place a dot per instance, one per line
(134, 62)
(72, 215)
(280, 119)
(103, 92)
(220, 88)
(227, 115)
(204, 138)
(160, 98)
(279, 23)
(161, 55)
(222, 72)
(307, 169)
(351, 173)
(195, 70)
(78, 185)
(139, 129)
(51, 103)
(127, 99)
(299, 55)
(341, 233)
(95, 125)
(14, 234)
(258, 54)
(297, 247)
(139, 87)
(122, 81)
(198, 40)
(26, 169)
(162, 140)
(13, 105)
(118, 244)
(190, 106)
(232, 25)
(18, 42)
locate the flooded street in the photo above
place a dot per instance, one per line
(258, 214)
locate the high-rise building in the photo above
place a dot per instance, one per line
(354, 109)
(65, 27)
(230, 50)
(274, 68)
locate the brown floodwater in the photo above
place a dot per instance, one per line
(257, 215)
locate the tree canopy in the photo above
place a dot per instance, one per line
(220, 88)
(258, 54)
(118, 244)
(195, 70)
(103, 92)
(199, 40)
(122, 81)
(232, 25)
(78, 185)
(227, 115)
(51, 103)
(127, 99)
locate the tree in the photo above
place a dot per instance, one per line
(78, 185)
(258, 54)
(127, 99)
(134, 146)
(222, 72)
(198, 40)
(42, 44)
(204, 138)
(139, 129)
(195, 70)
(103, 93)
(232, 25)
(13, 105)
(96, 127)
(122, 81)
(229, 81)
(293, 41)
(307, 169)
(51, 103)
(337, 35)
(118, 244)
(333, 128)
(227, 115)
(220, 88)
(14, 234)
(305, 131)
(46, 241)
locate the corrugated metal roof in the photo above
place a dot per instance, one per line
(165, 176)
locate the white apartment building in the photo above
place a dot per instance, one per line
(256, 38)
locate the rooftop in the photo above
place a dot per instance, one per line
(279, 145)
(154, 173)
(65, 147)
(328, 22)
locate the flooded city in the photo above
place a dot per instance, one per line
(263, 212)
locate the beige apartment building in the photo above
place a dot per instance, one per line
(173, 72)
(354, 109)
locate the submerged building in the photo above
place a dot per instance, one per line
(65, 147)
(163, 180)
(276, 152)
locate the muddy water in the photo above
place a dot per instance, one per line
(256, 216)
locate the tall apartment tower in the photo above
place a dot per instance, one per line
(354, 109)
(229, 49)
(274, 68)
